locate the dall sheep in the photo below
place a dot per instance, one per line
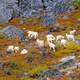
(50, 38)
(63, 42)
(24, 51)
(59, 37)
(52, 46)
(70, 37)
(10, 49)
(72, 32)
(16, 49)
(40, 43)
(32, 34)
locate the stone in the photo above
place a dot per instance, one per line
(12, 31)
(54, 29)
(29, 59)
(8, 72)
(47, 20)
(5, 14)
(1, 65)
(13, 66)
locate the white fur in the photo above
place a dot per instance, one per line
(52, 46)
(16, 48)
(63, 42)
(24, 51)
(32, 34)
(70, 37)
(50, 38)
(40, 43)
(10, 48)
(59, 37)
(72, 32)
(48, 79)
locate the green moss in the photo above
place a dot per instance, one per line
(2, 36)
(38, 69)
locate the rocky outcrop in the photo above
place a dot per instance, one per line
(27, 8)
(12, 32)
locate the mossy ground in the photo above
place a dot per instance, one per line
(39, 63)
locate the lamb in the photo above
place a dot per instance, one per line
(24, 51)
(59, 37)
(40, 43)
(10, 49)
(16, 49)
(70, 37)
(50, 38)
(63, 42)
(72, 32)
(32, 34)
(52, 46)
(48, 78)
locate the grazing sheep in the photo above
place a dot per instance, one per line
(50, 38)
(63, 42)
(72, 32)
(24, 51)
(52, 46)
(59, 37)
(70, 37)
(78, 65)
(16, 49)
(32, 34)
(40, 43)
(10, 49)
(48, 78)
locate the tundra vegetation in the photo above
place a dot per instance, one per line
(28, 66)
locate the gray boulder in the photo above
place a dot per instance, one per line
(12, 31)
(5, 14)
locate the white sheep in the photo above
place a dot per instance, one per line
(10, 49)
(70, 37)
(48, 79)
(59, 37)
(32, 34)
(40, 43)
(72, 32)
(50, 38)
(52, 46)
(63, 42)
(24, 51)
(16, 49)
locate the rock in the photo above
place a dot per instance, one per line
(5, 14)
(47, 73)
(78, 41)
(10, 9)
(8, 72)
(29, 59)
(54, 29)
(65, 17)
(12, 31)
(13, 66)
(1, 65)
(47, 20)
(56, 73)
